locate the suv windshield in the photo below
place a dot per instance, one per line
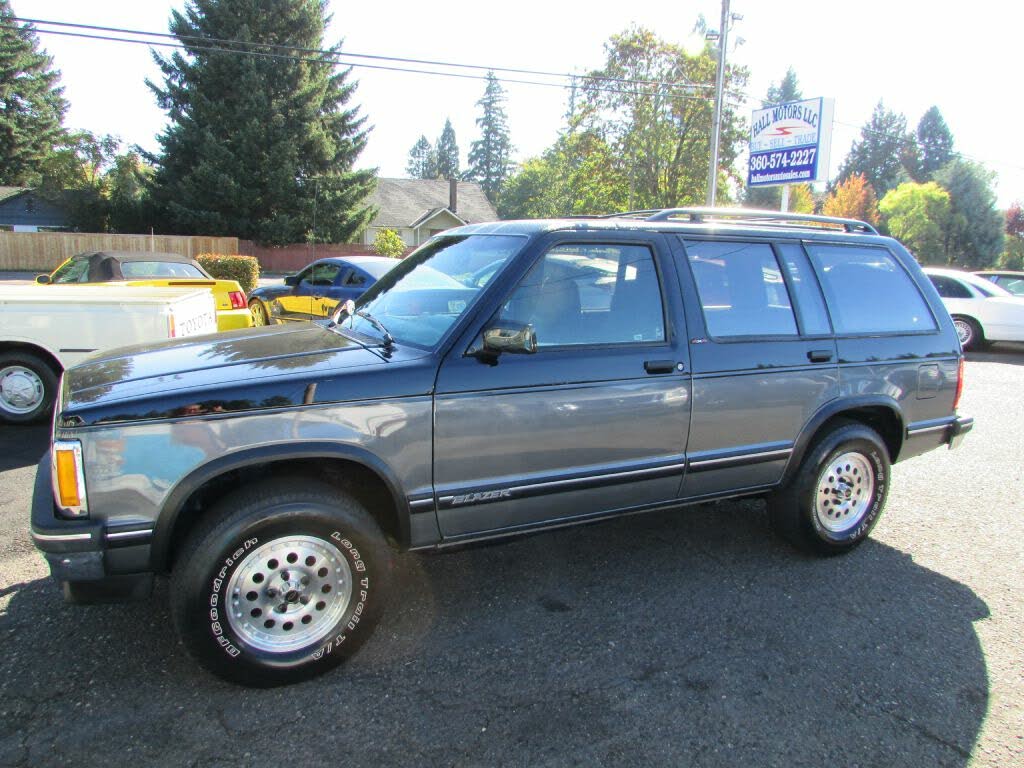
(422, 297)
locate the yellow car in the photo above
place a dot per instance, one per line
(155, 269)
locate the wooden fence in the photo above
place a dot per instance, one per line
(292, 258)
(44, 251)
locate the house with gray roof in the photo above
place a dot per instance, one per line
(417, 209)
(25, 210)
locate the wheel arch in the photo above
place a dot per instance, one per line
(882, 414)
(39, 351)
(347, 467)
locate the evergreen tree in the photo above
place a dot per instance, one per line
(883, 151)
(32, 104)
(490, 155)
(974, 235)
(788, 89)
(935, 142)
(422, 160)
(258, 147)
(447, 153)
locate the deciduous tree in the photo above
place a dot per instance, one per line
(918, 215)
(853, 198)
(1013, 255)
(259, 146)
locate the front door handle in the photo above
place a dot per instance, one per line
(660, 366)
(819, 355)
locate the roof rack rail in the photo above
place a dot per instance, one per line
(781, 218)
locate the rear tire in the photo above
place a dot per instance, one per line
(284, 581)
(837, 494)
(28, 388)
(259, 313)
(969, 332)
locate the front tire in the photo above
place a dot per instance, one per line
(285, 581)
(28, 388)
(837, 494)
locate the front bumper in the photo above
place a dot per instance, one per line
(91, 562)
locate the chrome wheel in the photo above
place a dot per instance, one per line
(21, 390)
(964, 331)
(845, 491)
(259, 313)
(289, 593)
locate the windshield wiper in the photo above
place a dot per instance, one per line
(389, 340)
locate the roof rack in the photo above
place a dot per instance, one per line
(778, 218)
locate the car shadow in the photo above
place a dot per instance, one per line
(22, 446)
(687, 637)
(1002, 352)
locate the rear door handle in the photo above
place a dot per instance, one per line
(661, 366)
(819, 355)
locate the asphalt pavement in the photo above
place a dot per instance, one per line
(681, 638)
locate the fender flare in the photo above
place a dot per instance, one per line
(175, 500)
(836, 408)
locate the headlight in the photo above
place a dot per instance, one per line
(69, 478)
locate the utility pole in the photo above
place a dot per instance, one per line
(716, 125)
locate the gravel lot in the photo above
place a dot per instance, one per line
(681, 638)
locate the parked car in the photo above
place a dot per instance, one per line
(982, 311)
(141, 269)
(273, 474)
(317, 289)
(1011, 281)
(43, 331)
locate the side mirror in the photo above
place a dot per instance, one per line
(510, 337)
(43, 279)
(292, 280)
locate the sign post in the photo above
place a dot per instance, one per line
(790, 144)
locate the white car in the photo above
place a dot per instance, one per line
(981, 310)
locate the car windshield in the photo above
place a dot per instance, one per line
(987, 288)
(421, 299)
(72, 271)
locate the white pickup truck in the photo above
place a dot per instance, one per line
(45, 329)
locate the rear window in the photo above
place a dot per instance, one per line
(136, 270)
(741, 289)
(867, 291)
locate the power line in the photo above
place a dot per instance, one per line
(328, 52)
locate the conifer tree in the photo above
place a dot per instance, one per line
(885, 153)
(935, 142)
(422, 160)
(447, 153)
(259, 146)
(32, 104)
(490, 156)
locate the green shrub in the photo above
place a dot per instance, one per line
(388, 243)
(244, 269)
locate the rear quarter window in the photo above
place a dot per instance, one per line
(868, 291)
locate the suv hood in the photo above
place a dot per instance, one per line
(252, 369)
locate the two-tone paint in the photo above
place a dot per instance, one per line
(467, 448)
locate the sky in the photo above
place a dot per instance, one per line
(907, 53)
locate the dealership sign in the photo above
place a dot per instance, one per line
(789, 143)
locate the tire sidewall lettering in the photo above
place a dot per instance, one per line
(878, 499)
(360, 589)
(215, 600)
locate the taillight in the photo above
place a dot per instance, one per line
(959, 384)
(237, 299)
(69, 478)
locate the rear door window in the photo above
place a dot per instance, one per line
(741, 289)
(868, 291)
(949, 288)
